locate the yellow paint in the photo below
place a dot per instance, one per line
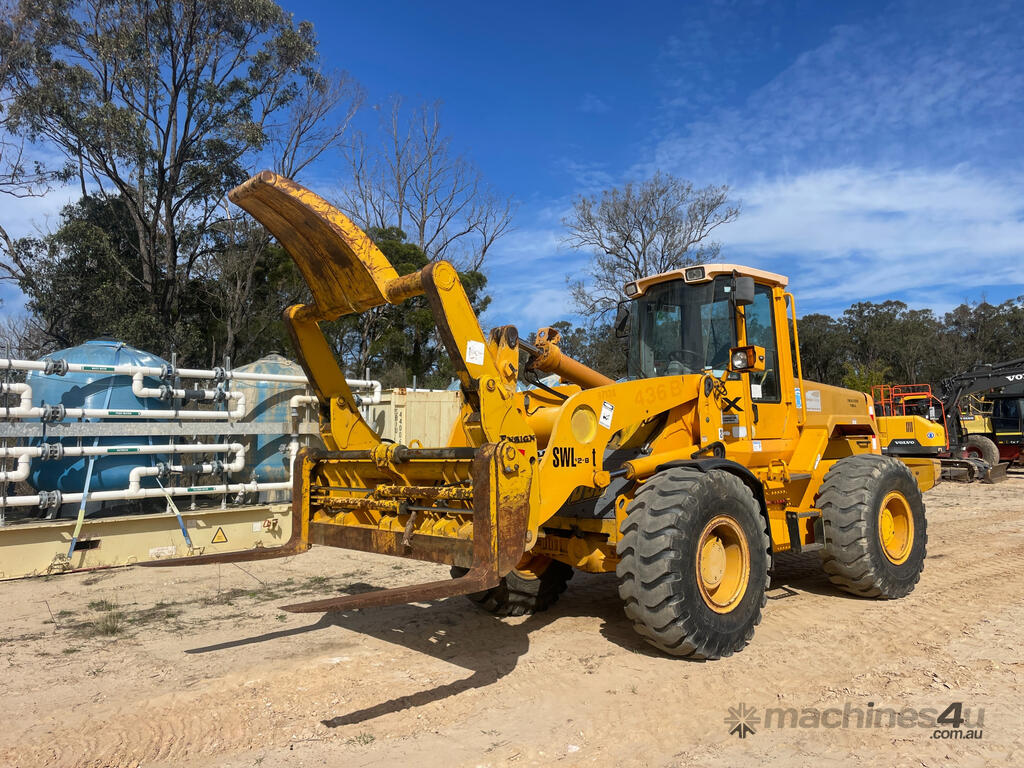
(723, 564)
(896, 528)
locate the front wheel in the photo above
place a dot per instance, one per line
(875, 527)
(693, 568)
(532, 588)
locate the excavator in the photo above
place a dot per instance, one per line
(684, 480)
(977, 444)
(996, 435)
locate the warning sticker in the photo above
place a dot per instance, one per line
(219, 537)
(756, 444)
(155, 553)
(814, 400)
(475, 352)
(607, 411)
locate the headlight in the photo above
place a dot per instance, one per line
(740, 360)
(694, 273)
(631, 289)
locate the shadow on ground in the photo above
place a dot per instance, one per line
(457, 632)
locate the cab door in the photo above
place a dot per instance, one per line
(772, 416)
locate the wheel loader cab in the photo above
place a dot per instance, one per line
(689, 322)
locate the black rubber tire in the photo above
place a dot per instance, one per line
(984, 448)
(658, 557)
(850, 500)
(518, 594)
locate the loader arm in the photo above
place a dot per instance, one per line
(463, 504)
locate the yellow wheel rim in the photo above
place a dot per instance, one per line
(896, 528)
(532, 566)
(723, 564)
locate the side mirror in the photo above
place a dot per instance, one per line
(742, 292)
(621, 324)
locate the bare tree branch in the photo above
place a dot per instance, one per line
(642, 229)
(415, 182)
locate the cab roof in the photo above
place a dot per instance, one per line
(704, 273)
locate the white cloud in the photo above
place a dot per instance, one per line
(910, 86)
(24, 216)
(849, 234)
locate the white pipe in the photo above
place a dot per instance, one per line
(128, 369)
(136, 491)
(140, 390)
(18, 474)
(27, 411)
(367, 384)
(152, 493)
(27, 452)
(17, 388)
(297, 401)
(73, 451)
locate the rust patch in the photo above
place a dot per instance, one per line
(432, 549)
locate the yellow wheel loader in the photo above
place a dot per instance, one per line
(684, 480)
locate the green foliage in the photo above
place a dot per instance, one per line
(158, 106)
(865, 377)
(82, 283)
(887, 342)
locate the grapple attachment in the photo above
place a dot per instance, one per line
(466, 503)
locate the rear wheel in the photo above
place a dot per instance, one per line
(981, 447)
(529, 589)
(693, 566)
(875, 526)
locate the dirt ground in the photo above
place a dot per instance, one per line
(198, 667)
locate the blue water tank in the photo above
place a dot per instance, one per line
(267, 401)
(94, 390)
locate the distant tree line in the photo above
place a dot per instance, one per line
(887, 342)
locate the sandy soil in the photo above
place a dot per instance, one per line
(204, 669)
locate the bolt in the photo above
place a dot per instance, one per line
(490, 385)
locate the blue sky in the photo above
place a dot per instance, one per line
(875, 148)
